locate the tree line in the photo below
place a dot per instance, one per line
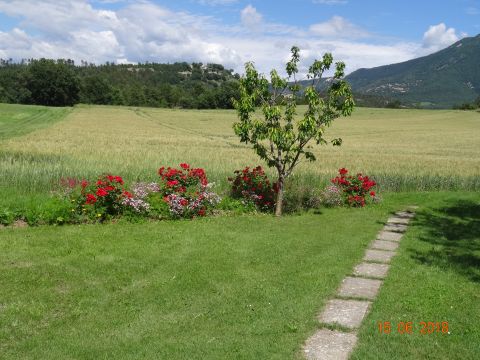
(63, 83)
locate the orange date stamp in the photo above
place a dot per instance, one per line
(410, 327)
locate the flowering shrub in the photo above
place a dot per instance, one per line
(187, 191)
(355, 189)
(104, 197)
(253, 185)
(332, 196)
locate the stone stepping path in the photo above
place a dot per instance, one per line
(356, 293)
(371, 270)
(357, 287)
(378, 255)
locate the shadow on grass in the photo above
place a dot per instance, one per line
(454, 233)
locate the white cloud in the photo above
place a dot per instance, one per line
(438, 37)
(143, 31)
(330, 2)
(251, 18)
(338, 27)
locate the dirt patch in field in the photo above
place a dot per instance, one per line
(19, 224)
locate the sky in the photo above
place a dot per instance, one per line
(362, 33)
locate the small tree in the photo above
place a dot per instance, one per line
(277, 137)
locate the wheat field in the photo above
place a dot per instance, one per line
(403, 149)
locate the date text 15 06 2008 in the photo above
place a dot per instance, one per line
(410, 327)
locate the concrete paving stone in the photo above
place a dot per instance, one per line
(378, 255)
(360, 288)
(389, 236)
(348, 313)
(398, 220)
(371, 269)
(384, 245)
(329, 345)
(395, 228)
(405, 214)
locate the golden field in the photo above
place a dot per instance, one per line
(408, 149)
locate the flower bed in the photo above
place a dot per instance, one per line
(356, 191)
(253, 185)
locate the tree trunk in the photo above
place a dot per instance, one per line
(279, 204)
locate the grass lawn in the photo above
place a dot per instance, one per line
(235, 287)
(232, 287)
(434, 278)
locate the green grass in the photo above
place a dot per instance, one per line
(245, 287)
(18, 120)
(232, 287)
(436, 278)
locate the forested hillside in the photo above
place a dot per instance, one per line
(64, 83)
(441, 80)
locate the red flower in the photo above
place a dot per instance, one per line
(184, 166)
(118, 179)
(127, 194)
(171, 172)
(201, 212)
(110, 178)
(184, 202)
(343, 171)
(91, 199)
(372, 193)
(102, 192)
(161, 170)
(172, 183)
(84, 184)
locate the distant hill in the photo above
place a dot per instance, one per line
(182, 85)
(440, 80)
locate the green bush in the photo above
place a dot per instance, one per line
(236, 206)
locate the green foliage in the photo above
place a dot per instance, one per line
(52, 83)
(159, 208)
(278, 139)
(466, 106)
(54, 211)
(6, 217)
(299, 198)
(236, 206)
(395, 104)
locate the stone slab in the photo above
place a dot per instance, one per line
(389, 236)
(398, 220)
(405, 214)
(329, 345)
(395, 228)
(384, 245)
(371, 270)
(348, 313)
(378, 255)
(359, 288)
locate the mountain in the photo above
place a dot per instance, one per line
(440, 80)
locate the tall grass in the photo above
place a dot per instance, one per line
(405, 150)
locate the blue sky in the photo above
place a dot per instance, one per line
(363, 33)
